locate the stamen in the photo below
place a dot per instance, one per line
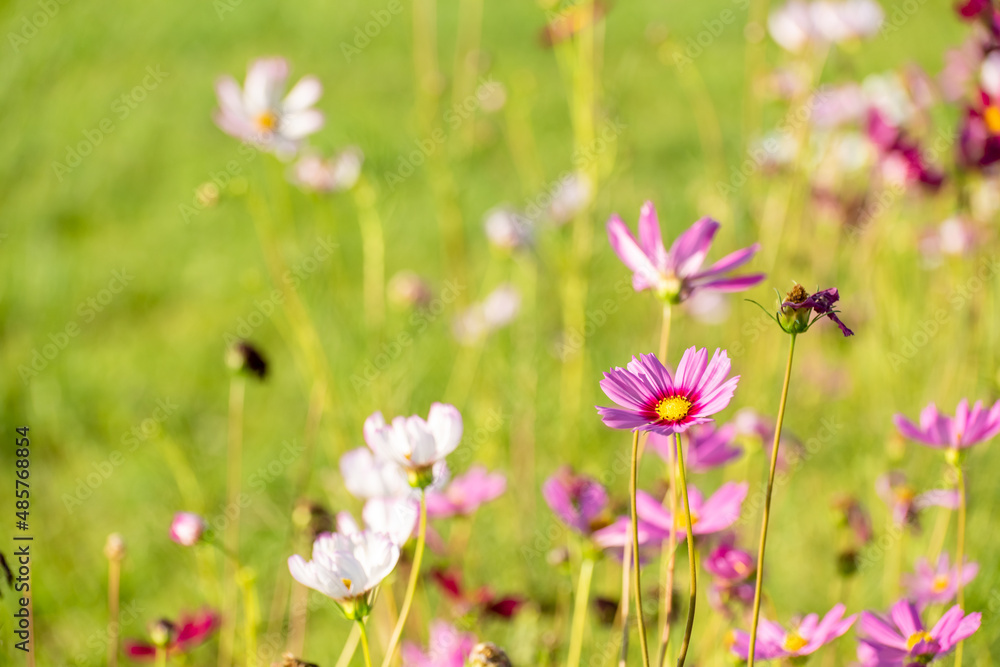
(673, 408)
(916, 638)
(794, 642)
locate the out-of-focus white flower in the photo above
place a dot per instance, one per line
(496, 311)
(333, 174)
(833, 106)
(347, 568)
(708, 307)
(369, 476)
(492, 96)
(955, 236)
(416, 444)
(887, 93)
(407, 289)
(396, 517)
(570, 196)
(799, 23)
(261, 113)
(506, 229)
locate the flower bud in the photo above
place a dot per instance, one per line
(114, 548)
(187, 528)
(242, 357)
(161, 633)
(488, 654)
(289, 660)
(794, 320)
(420, 478)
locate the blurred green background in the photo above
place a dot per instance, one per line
(160, 341)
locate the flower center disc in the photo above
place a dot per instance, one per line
(991, 115)
(673, 408)
(794, 642)
(916, 638)
(940, 583)
(267, 121)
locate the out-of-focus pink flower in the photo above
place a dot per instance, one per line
(506, 229)
(189, 632)
(733, 572)
(483, 600)
(262, 114)
(969, 426)
(466, 493)
(676, 274)
(834, 106)
(407, 289)
(707, 447)
(579, 501)
(498, 310)
(798, 24)
(335, 174)
(655, 522)
(904, 502)
(939, 584)
(571, 196)
(901, 160)
(187, 528)
(447, 648)
(803, 638)
(754, 428)
(901, 640)
(954, 237)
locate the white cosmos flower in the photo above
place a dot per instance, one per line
(346, 567)
(396, 517)
(412, 442)
(369, 476)
(799, 23)
(261, 113)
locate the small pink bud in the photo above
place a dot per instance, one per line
(187, 528)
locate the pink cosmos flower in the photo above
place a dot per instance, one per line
(655, 521)
(803, 638)
(751, 425)
(901, 639)
(706, 446)
(448, 647)
(937, 585)
(187, 528)
(905, 503)
(967, 428)
(677, 274)
(653, 400)
(260, 115)
(466, 493)
(900, 157)
(733, 572)
(191, 631)
(579, 501)
(483, 599)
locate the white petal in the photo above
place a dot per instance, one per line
(264, 84)
(303, 95)
(298, 124)
(445, 422)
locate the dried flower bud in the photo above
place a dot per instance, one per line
(487, 654)
(847, 562)
(312, 518)
(289, 660)
(242, 357)
(114, 548)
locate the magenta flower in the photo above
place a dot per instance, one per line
(578, 501)
(707, 446)
(676, 275)
(937, 585)
(653, 400)
(191, 631)
(804, 638)
(901, 639)
(655, 521)
(900, 157)
(733, 572)
(448, 647)
(799, 308)
(965, 429)
(187, 528)
(905, 503)
(483, 599)
(260, 115)
(466, 493)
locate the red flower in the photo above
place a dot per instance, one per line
(191, 631)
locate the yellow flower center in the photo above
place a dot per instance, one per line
(916, 638)
(991, 116)
(673, 408)
(940, 583)
(680, 523)
(347, 583)
(267, 121)
(794, 642)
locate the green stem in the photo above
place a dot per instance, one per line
(580, 612)
(960, 551)
(364, 643)
(626, 565)
(231, 537)
(161, 656)
(637, 578)
(669, 561)
(114, 598)
(692, 565)
(767, 502)
(665, 332)
(350, 647)
(411, 587)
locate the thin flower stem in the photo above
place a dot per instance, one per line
(580, 612)
(373, 256)
(411, 587)
(364, 644)
(692, 564)
(669, 560)
(626, 565)
(350, 647)
(231, 538)
(767, 502)
(114, 580)
(960, 551)
(161, 656)
(637, 579)
(665, 333)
